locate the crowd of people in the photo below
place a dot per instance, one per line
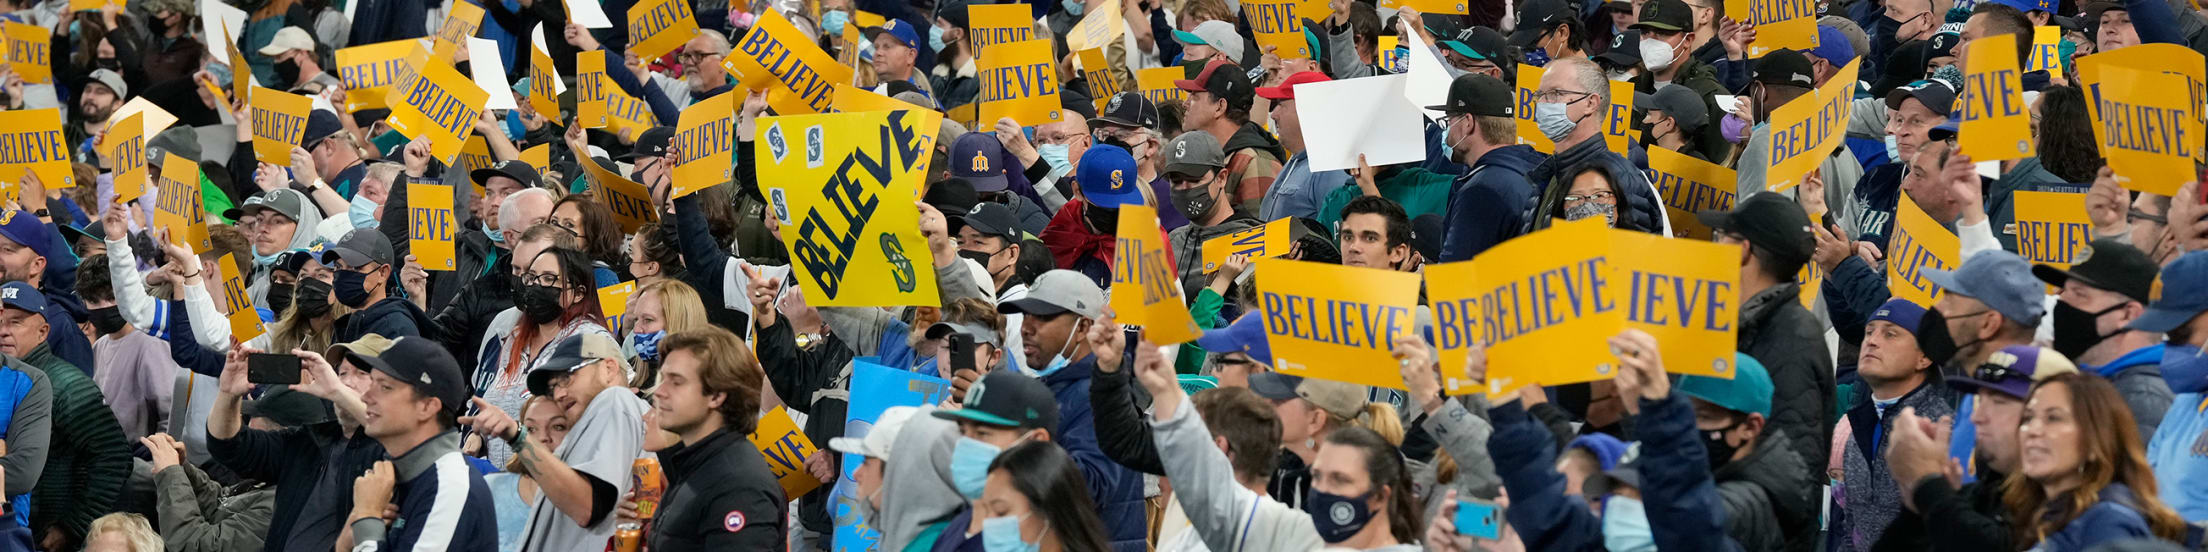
(494, 405)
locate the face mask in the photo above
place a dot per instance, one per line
(2184, 367)
(352, 288)
(111, 64)
(107, 320)
(1656, 54)
(1105, 219)
(287, 72)
(935, 39)
(1621, 75)
(970, 466)
(1537, 57)
(1893, 148)
(312, 299)
(1735, 129)
(833, 22)
(1592, 209)
(2075, 329)
(1195, 203)
(1721, 452)
(539, 303)
(279, 298)
(978, 257)
(1337, 517)
(1002, 534)
(1555, 120)
(647, 345)
(497, 237)
(513, 125)
(362, 212)
(1059, 361)
(1055, 154)
(1074, 7)
(1625, 526)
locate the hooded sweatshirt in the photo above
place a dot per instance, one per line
(919, 476)
(301, 238)
(1489, 203)
(1253, 161)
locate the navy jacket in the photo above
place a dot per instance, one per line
(1684, 510)
(1487, 205)
(393, 317)
(1640, 209)
(1545, 518)
(1118, 490)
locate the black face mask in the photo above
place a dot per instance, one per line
(1720, 451)
(1101, 219)
(2075, 329)
(1195, 203)
(540, 304)
(287, 73)
(111, 64)
(107, 320)
(279, 298)
(312, 298)
(978, 257)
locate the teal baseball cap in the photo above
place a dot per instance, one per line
(1749, 391)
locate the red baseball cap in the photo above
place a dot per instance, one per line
(1286, 90)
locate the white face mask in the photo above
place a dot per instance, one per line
(1656, 54)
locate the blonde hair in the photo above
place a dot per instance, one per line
(680, 310)
(134, 528)
(1379, 417)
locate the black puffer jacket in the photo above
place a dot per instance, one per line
(1786, 338)
(1549, 203)
(1639, 209)
(1770, 499)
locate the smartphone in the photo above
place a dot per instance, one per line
(270, 368)
(962, 352)
(1479, 518)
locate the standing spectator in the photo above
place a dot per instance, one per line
(1490, 201)
(720, 495)
(2107, 287)
(32, 252)
(311, 464)
(1219, 104)
(363, 263)
(1196, 166)
(1773, 235)
(298, 69)
(1900, 373)
(555, 298)
(1060, 309)
(1296, 190)
(413, 401)
(582, 479)
(136, 375)
(89, 460)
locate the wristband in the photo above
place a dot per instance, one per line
(521, 434)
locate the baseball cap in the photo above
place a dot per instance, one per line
(1219, 35)
(1478, 43)
(1107, 177)
(2178, 294)
(427, 366)
(112, 80)
(568, 355)
(358, 350)
(1477, 94)
(22, 296)
(1929, 328)
(1059, 291)
(1679, 103)
(288, 39)
(284, 201)
(953, 196)
(520, 171)
(1749, 390)
(1770, 221)
(1286, 90)
(1128, 109)
(896, 28)
(1194, 153)
(651, 143)
(1346, 400)
(2028, 6)
(288, 407)
(1784, 67)
(1947, 128)
(1900, 312)
(2001, 280)
(2106, 264)
(1535, 17)
(24, 229)
(1942, 45)
(981, 334)
(876, 443)
(976, 157)
(993, 219)
(1904, 65)
(2011, 371)
(359, 247)
(1223, 79)
(1007, 398)
(1833, 46)
(321, 124)
(1665, 15)
(1245, 335)
(2094, 9)
(1624, 52)
(1935, 94)
(954, 11)
(178, 141)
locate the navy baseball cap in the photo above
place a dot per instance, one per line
(2179, 294)
(2011, 371)
(1246, 335)
(978, 158)
(1900, 312)
(1107, 176)
(1007, 398)
(24, 229)
(2001, 280)
(899, 29)
(423, 363)
(1833, 46)
(22, 296)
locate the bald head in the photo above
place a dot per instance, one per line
(523, 209)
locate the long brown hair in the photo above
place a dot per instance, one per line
(2112, 453)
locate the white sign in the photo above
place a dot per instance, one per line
(1368, 116)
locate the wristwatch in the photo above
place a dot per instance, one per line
(310, 187)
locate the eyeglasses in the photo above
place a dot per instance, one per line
(540, 279)
(1553, 95)
(1603, 196)
(2137, 215)
(692, 58)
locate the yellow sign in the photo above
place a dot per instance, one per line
(1335, 322)
(1018, 80)
(1279, 24)
(245, 319)
(476, 154)
(125, 151)
(660, 26)
(279, 122)
(705, 142)
(1618, 122)
(30, 52)
(1156, 83)
(1391, 59)
(1098, 73)
(1529, 132)
(430, 225)
(1688, 186)
(1806, 130)
(1789, 24)
(852, 99)
(993, 24)
(2174, 59)
(241, 73)
(630, 201)
(785, 448)
(179, 210)
(1996, 124)
(626, 113)
(436, 101)
(94, 5)
(1918, 243)
(1813, 283)
(843, 185)
(1101, 26)
(460, 23)
(1459, 7)
(2051, 227)
(1146, 289)
(544, 80)
(33, 141)
(2148, 129)
(776, 53)
(591, 85)
(2046, 50)
(613, 301)
(1272, 239)
(369, 71)
(538, 157)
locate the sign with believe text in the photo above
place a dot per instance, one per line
(32, 140)
(660, 26)
(436, 101)
(1146, 288)
(1018, 80)
(430, 227)
(1688, 186)
(2051, 227)
(1335, 322)
(1529, 132)
(843, 185)
(1808, 128)
(279, 122)
(1918, 242)
(785, 449)
(1789, 24)
(1269, 240)
(705, 144)
(1996, 126)
(369, 71)
(799, 77)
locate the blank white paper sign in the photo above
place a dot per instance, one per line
(1368, 116)
(1429, 79)
(490, 73)
(588, 13)
(213, 14)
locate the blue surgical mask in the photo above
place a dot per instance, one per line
(1074, 7)
(1002, 534)
(1625, 526)
(1893, 149)
(497, 237)
(1060, 361)
(1537, 57)
(970, 466)
(1555, 120)
(1058, 155)
(513, 125)
(2184, 368)
(935, 39)
(362, 212)
(1337, 517)
(647, 344)
(833, 21)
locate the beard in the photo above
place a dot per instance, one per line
(98, 112)
(702, 80)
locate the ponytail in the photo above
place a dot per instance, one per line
(1381, 418)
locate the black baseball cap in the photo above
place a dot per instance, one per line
(359, 247)
(1784, 67)
(2110, 265)
(1665, 15)
(652, 143)
(992, 219)
(1128, 109)
(1770, 221)
(1682, 104)
(520, 171)
(953, 196)
(1535, 17)
(426, 365)
(1935, 94)
(1224, 79)
(1007, 398)
(1480, 43)
(321, 124)
(1624, 52)
(1477, 94)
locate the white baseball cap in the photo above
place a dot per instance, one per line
(877, 440)
(288, 39)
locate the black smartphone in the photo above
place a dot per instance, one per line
(271, 368)
(962, 353)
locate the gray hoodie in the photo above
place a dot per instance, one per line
(302, 237)
(916, 480)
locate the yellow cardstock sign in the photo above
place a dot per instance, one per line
(245, 319)
(1335, 322)
(241, 72)
(591, 85)
(1529, 132)
(1102, 86)
(156, 119)
(2147, 126)
(1996, 126)
(1790, 24)
(279, 121)
(1146, 288)
(125, 150)
(1156, 83)
(1690, 186)
(1685, 293)
(1101, 26)
(430, 225)
(626, 113)
(538, 157)
(613, 301)
(2173, 59)
(1807, 129)
(179, 210)
(663, 26)
(843, 185)
(438, 102)
(1459, 7)
(1269, 240)
(369, 71)
(1019, 80)
(93, 5)
(30, 52)
(852, 99)
(1278, 24)
(705, 142)
(543, 88)
(475, 154)
(1618, 123)
(994, 24)
(785, 448)
(1918, 243)
(776, 55)
(630, 201)
(460, 23)
(2046, 50)
(32, 141)
(1813, 283)
(1391, 59)
(2051, 227)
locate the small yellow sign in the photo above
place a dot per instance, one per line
(431, 226)
(1146, 288)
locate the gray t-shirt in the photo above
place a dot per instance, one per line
(603, 445)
